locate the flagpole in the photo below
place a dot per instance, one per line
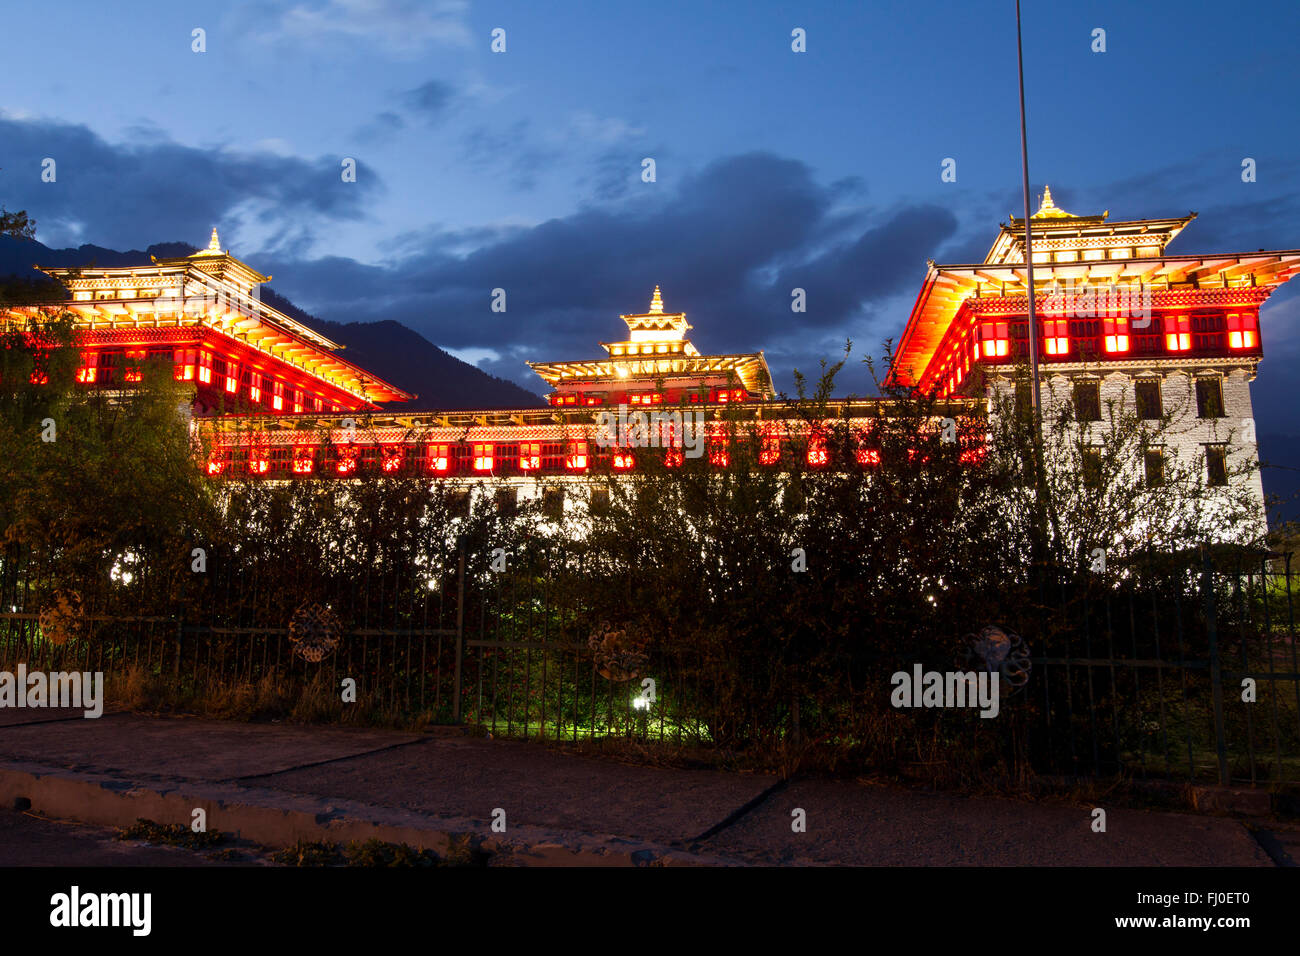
(1029, 252)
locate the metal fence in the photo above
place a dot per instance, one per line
(1185, 670)
(1162, 678)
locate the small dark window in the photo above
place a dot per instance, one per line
(1149, 404)
(599, 498)
(553, 503)
(1092, 467)
(1087, 401)
(1155, 467)
(794, 498)
(1216, 465)
(1209, 397)
(507, 500)
(458, 504)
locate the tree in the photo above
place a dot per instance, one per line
(17, 224)
(92, 483)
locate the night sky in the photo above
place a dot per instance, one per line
(522, 169)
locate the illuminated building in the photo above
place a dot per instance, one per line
(545, 452)
(201, 315)
(1121, 320)
(1122, 323)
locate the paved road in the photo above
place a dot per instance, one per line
(274, 778)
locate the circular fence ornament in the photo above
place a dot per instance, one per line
(618, 652)
(314, 631)
(1002, 652)
(64, 618)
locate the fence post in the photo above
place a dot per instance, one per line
(460, 627)
(1216, 674)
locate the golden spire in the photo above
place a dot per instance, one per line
(656, 302)
(214, 245)
(1049, 209)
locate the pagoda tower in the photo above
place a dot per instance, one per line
(656, 364)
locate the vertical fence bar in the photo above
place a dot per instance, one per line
(460, 629)
(1216, 673)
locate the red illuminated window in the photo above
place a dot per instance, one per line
(232, 377)
(673, 457)
(317, 405)
(530, 456)
(86, 373)
(648, 398)
(572, 398)
(184, 362)
(205, 367)
(718, 455)
(1115, 334)
(392, 457)
(258, 463)
(132, 370)
(1056, 335)
(973, 456)
(1243, 330)
(577, 459)
(817, 455)
(623, 460)
(349, 455)
(439, 458)
(994, 340)
(297, 400)
(868, 457)
(216, 465)
(277, 396)
(302, 461)
(592, 400)
(769, 453)
(483, 459)
(254, 387)
(1178, 333)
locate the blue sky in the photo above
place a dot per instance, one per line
(522, 169)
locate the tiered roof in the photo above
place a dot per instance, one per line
(1078, 251)
(657, 347)
(214, 292)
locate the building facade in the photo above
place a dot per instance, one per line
(1123, 325)
(1122, 322)
(202, 315)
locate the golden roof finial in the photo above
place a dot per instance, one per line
(214, 245)
(656, 302)
(1049, 209)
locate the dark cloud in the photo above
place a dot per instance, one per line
(514, 152)
(155, 190)
(727, 246)
(431, 100)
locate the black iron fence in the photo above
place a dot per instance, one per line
(1182, 668)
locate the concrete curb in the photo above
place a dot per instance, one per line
(277, 819)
